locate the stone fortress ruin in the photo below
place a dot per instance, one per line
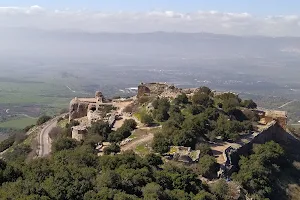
(89, 110)
(81, 107)
(272, 124)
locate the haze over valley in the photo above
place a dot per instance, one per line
(42, 69)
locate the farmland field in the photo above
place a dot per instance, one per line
(19, 123)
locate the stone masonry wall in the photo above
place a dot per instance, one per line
(273, 131)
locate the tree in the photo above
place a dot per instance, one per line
(181, 99)
(146, 119)
(101, 128)
(204, 195)
(230, 104)
(258, 171)
(113, 148)
(208, 167)
(185, 138)
(201, 99)
(160, 143)
(64, 144)
(161, 115)
(5, 144)
(109, 179)
(204, 149)
(41, 120)
(153, 191)
(196, 109)
(130, 123)
(177, 117)
(7, 172)
(249, 104)
(153, 160)
(204, 90)
(221, 189)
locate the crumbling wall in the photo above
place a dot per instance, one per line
(77, 109)
(157, 89)
(273, 131)
(79, 133)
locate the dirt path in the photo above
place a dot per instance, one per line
(132, 145)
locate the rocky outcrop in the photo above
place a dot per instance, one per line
(143, 90)
(77, 109)
(157, 89)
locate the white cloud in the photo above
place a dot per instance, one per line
(202, 21)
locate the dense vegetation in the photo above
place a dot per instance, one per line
(190, 121)
(43, 119)
(77, 173)
(259, 172)
(74, 171)
(14, 138)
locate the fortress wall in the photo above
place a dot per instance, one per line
(77, 109)
(273, 131)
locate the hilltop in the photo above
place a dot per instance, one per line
(164, 143)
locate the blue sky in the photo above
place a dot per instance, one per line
(257, 7)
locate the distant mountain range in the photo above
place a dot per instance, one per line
(24, 41)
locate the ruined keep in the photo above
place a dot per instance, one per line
(79, 107)
(267, 116)
(157, 89)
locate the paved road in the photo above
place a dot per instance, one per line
(44, 139)
(288, 103)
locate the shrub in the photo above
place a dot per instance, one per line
(27, 128)
(208, 167)
(130, 123)
(5, 144)
(64, 144)
(221, 189)
(249, 104)
(147, 119)
(113, 148)
(43, 119)
(181, 99)
(201, 99)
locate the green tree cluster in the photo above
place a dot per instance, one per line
(41, 120)
(76, 174)
(257, 172)
(161, 109)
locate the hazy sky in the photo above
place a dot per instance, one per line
(241, 17)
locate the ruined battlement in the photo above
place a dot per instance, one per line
(158, 89)
(272, 131)
(79, 107)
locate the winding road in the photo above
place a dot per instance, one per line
(44, 139)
